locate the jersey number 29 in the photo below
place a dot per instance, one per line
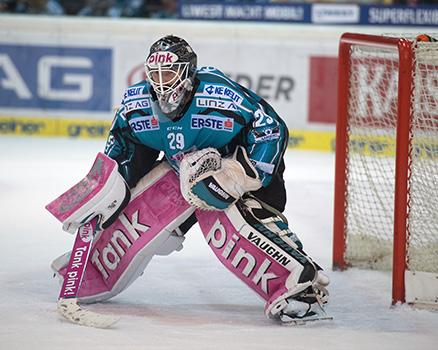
(176, 141)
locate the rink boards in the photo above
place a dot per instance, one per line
(98, 129)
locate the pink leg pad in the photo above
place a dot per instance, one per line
(124, 248)
(260, 264)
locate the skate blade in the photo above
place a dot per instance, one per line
(290, 321)
(314, 314)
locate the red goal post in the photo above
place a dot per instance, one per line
(387, 161)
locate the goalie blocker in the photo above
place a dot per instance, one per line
(251, 241)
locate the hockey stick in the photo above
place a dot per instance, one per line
(68, 297)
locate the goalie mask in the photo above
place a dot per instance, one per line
(170, 69)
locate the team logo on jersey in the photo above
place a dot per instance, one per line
(133, 91)
(145, 123)
(265, 167)
(137, 104)
(267, 134)
(207, 69)
(211, 122)
(221, 91)
(217, 104)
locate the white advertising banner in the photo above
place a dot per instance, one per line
(78, 67)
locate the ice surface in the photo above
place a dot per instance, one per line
(186, 300)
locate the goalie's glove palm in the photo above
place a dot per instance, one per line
(214, 183)
(232, 177)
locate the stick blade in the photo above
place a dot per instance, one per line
(70, 310)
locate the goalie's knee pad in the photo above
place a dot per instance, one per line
(153, 223)
(256, 244)
(269, 220)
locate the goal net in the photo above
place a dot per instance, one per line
(386, 195)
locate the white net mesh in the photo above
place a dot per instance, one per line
(372, 117)
(423, 183)
(371, 166)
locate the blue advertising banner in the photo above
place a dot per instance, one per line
(400, 15)
(311, 13)
(48, 77)
(233, 12)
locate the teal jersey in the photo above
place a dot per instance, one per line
(221, 114)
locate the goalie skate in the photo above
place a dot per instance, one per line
(307, 307)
